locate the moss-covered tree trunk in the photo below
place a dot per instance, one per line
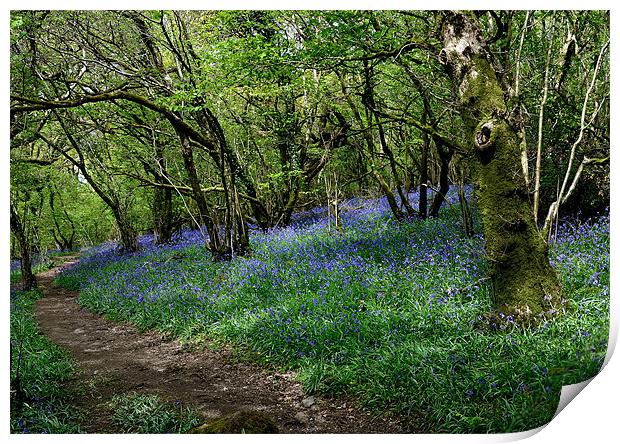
(524, 284)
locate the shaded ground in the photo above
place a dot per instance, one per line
(115, 358)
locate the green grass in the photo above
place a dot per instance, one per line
(40, 402)
(384, 311)
(136, 413)
(44, 264)
(38, 268)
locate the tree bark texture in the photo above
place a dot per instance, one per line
(524, 284)
(468, 224)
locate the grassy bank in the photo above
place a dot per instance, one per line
(40, 402)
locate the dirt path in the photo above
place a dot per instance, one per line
(114, 359)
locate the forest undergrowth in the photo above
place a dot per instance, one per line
(383, 311)
(40, 370)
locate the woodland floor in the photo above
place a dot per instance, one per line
(115, 358)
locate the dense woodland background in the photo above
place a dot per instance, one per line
(150, 121)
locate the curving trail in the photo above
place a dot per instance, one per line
(115, 358)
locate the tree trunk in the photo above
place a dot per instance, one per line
(213, 242)
(468, 224)
(389, 195)
(368, 138)
(445, 155)
(423, 204)
(63, 243)
(18, 229)
(524, 284)
(162, 215)
(163, 225)
(236, 232)
(404, 200)
(129, 236)
(541, 117)
(385, 187)
(369, 101)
